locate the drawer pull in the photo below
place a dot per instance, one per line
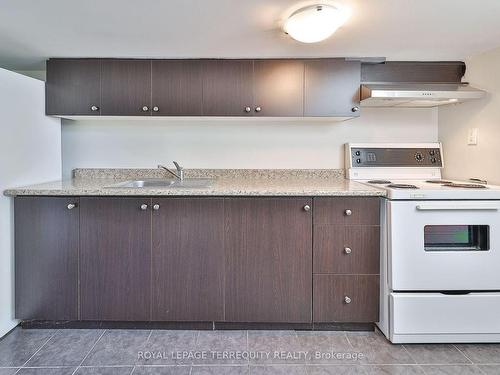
(307, 208)
(347, 300)
(144, 207)
(347, 250)
(156, 207)
(348, 212)
(71, 206)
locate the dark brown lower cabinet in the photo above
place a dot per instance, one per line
(268, 250)
(346, 298)
(188, 259)
(46, 237)
(115, 259)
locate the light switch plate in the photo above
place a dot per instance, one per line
(472, 136)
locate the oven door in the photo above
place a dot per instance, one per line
(443, 245)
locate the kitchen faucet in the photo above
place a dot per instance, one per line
(180, 171)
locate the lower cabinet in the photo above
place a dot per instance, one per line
(268, 259)
(46, 240)
(188, 259)
(115, 259)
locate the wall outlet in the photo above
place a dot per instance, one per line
(472, 136)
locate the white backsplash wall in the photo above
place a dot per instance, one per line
(230, 143)
(482, 160)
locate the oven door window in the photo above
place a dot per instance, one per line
(457, 237)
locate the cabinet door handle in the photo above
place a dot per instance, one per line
(258, 109)
(347, 250)
(94, 108)
(307, 208)
(348, 212)
(145, 108)
(156, 207)
(247, 109)
(144, 207)
(70, 206)
(347, 300)
(156, 109)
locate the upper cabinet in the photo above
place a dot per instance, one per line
(126, 87)
(331, 87)
(73, 87)
(266, 87)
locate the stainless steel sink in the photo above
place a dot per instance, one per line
(187, 183)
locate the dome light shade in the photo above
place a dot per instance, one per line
(315, 23)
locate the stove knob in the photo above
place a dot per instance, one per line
(358, 153)
(433, 160)
(358, 161)
(432, 152)
(419, 156)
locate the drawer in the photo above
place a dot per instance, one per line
(331, 291)
(346, 249)
(347, 211)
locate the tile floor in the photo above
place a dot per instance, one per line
(141, 352)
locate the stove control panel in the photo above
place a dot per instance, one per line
(396, 157)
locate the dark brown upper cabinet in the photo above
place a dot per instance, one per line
(278, 88)
(331, 88)
(126, 87)
(176, 88)
(227, 87)
(73, 87)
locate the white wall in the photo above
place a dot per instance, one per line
(244, 143)
(481, 161)
(30, 152)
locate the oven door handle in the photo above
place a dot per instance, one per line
(455, 206)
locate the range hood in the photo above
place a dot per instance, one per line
(417, 94)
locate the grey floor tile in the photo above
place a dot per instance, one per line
(122, 370)
(374, 348)
(162, 370)
(47, 371)
(66, 348)
(325, 347)
(219, 370)
(222, 347)
(335, 370)
(8, 371)
(19, 345)
(451, 370)
(277, 370)
(394, 370)
(490, 369)
(481, 353)
(277, 347)
(118, 348)
(167, 347)
(436, 354)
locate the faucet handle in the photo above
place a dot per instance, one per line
(179, 168)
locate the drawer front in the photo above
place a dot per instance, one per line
(347, 211)
(332, 292)
(346, 249)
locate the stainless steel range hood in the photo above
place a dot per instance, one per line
(417, 94)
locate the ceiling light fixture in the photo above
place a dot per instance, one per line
(315, 23)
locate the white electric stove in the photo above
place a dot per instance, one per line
(440, 246)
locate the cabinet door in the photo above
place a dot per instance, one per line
(46, 256)
(73, 87)
(268, 247)
(188, 259)
(177, 88)
(227, 87)
(279, 88)
(115, 259)
(126, 87)
(332, 87)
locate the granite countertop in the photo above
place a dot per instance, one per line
(96, 182)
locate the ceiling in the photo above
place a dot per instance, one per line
(32, 30)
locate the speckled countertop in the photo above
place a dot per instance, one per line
(229, 182)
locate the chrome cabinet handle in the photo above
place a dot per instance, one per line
(156, 109)
(348, 212)
(347, 250)
(307, 208)
(144, 207)
(94, 108)
(156, 207)
(347, 299)
(355, 109)
(247, 109)
(71, 206)
(145, 108)
(258, 109)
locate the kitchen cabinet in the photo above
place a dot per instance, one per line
(115, 258)
(176, 88)
(73, 87)
(279, 88)
(227, 87)
(188, 259)
(126, 87)
(331, 87)
(268, 259)
(46, 260)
